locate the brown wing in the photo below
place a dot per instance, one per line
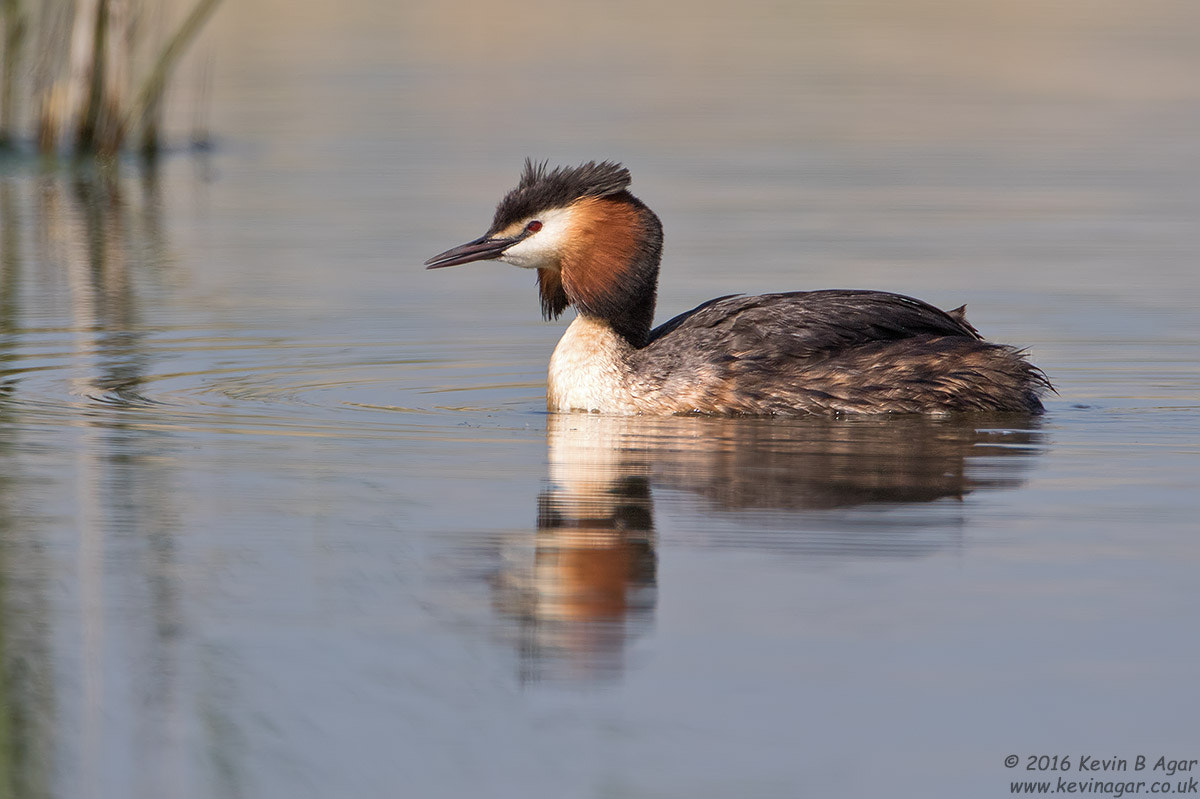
(834, 352)
(804, 323)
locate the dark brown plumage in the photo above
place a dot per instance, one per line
(541, 188)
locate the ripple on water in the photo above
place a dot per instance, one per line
(264, 381)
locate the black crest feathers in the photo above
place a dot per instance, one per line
(541, 188)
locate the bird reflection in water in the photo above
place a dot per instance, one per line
(590, 583)
(586, 586)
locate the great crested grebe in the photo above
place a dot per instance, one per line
(597, 248)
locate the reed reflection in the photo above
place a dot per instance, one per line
(850, 488)
(25, 643)
(77, 254)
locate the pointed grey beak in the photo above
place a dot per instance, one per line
(482, 249)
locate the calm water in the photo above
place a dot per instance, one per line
(282, 515)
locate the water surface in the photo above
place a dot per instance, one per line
(282, 514)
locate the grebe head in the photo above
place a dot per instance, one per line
(594, 244)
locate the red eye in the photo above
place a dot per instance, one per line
(534, 226)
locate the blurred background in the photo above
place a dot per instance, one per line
(282, 514)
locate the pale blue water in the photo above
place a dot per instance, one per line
(282, 515)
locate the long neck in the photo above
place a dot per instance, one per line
(610, 266)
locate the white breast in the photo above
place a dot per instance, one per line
(589, 370)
